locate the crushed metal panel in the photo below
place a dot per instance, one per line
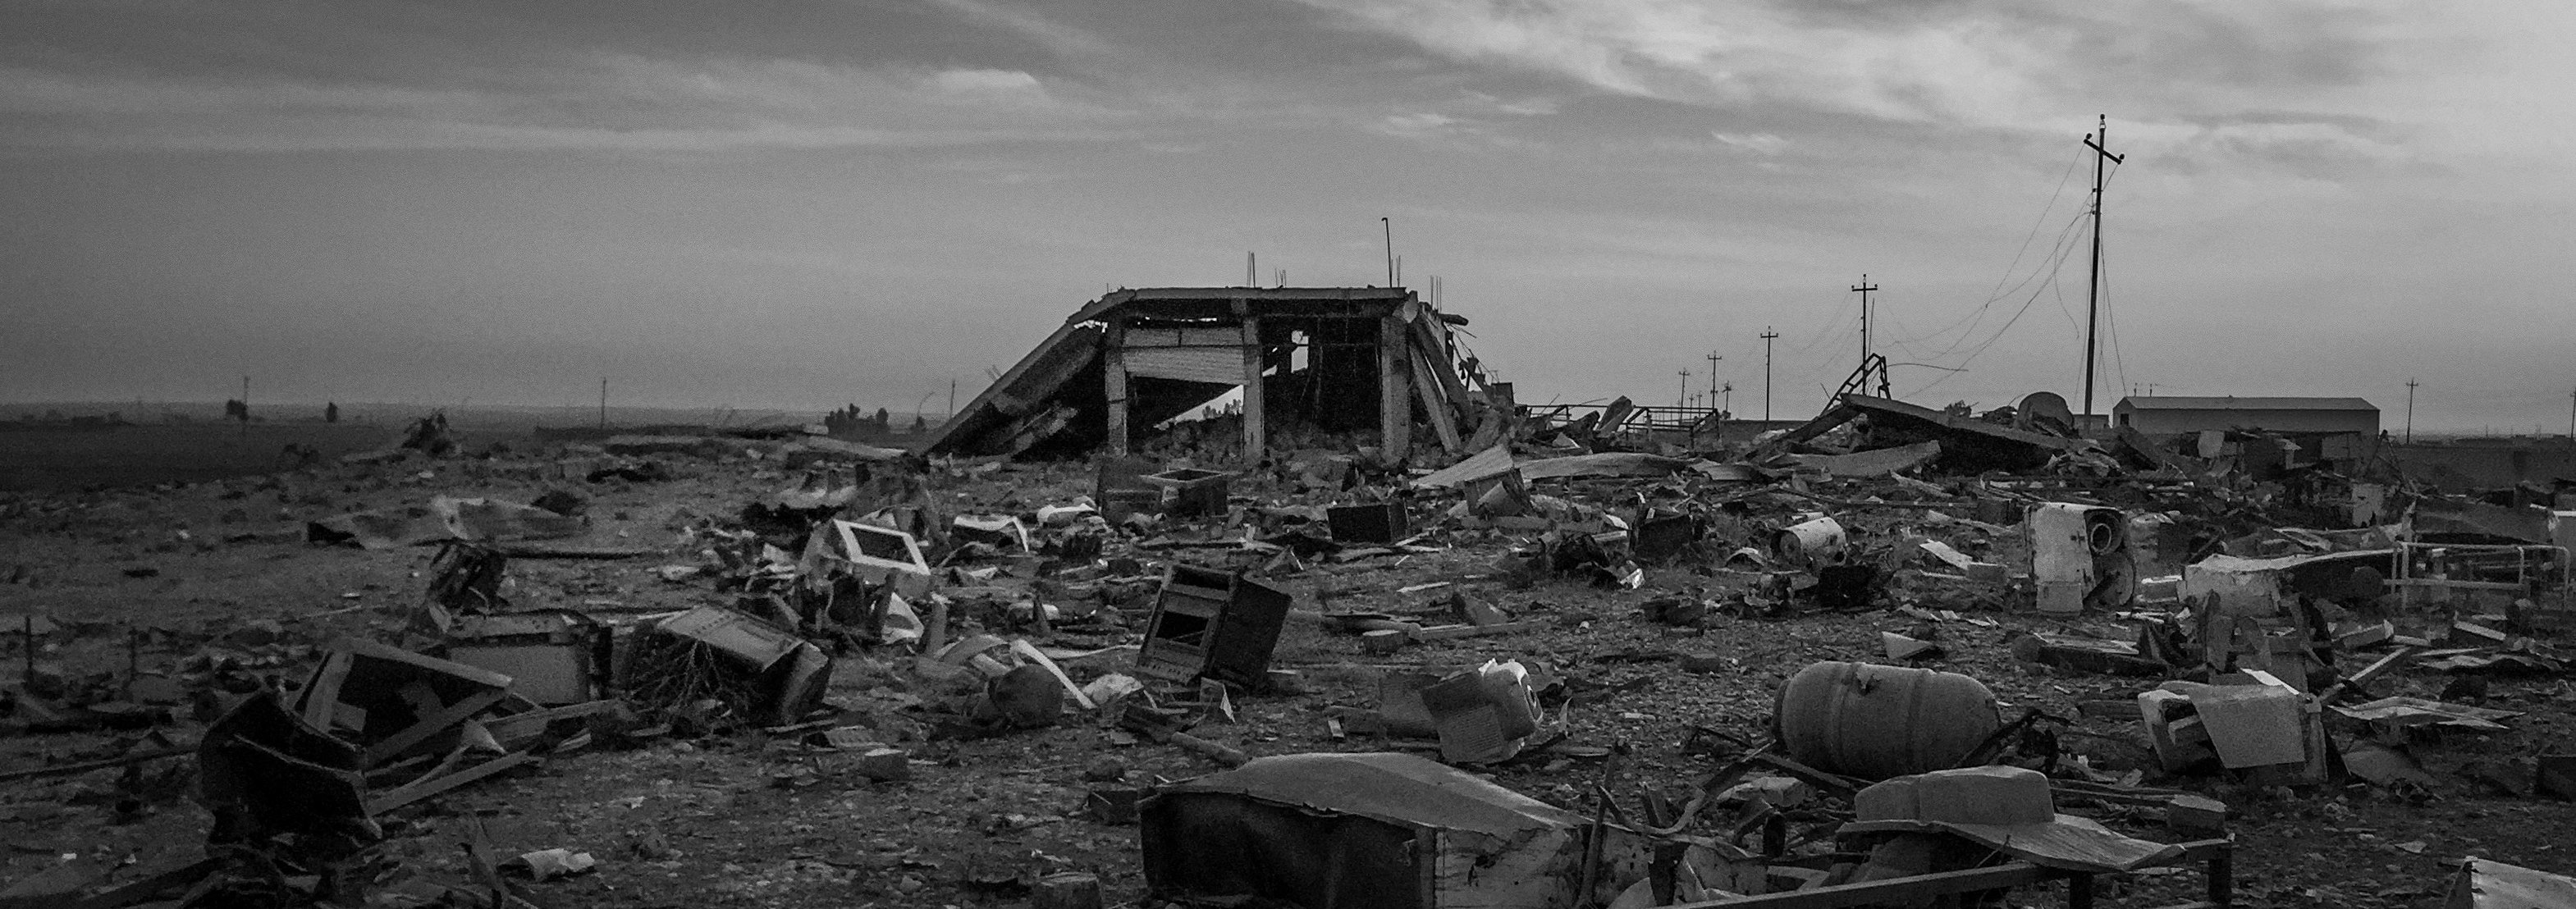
(1472, 843)
(1489, 462)
(2439, 515)
(1210, 365)
(1604, 464)
(1877, 463)
(2489, 884)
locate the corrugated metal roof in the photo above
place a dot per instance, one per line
(1387, 786)
(2196, 402)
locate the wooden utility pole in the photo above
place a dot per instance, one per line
(2093, 288)
(1684, 400)
(1767, 337)
(1712, 372)
(1863, 288)
(603, 402)
(2410, 409)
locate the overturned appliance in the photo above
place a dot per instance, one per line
(752, 666)
(879, 556)
(1337, 831)
(2080, 557)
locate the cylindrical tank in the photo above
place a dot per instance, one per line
(1875, 722)
(1818, 540)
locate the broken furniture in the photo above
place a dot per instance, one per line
(1372, 522)
(1339, 831)
(1221, 625)
(1120, 488)
(403, 710)
(392, 700)
(1339, 360)
(768, 672)
(1875, 722)
(1189, 492)
(264, 770)
(552, 657)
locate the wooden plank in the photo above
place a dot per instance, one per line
(147, 889)
(321, 700)
(1903, 890)
(2456, 585)
(522, 725)
(446, 718)
(1394, 400)
(422, 789)
(1454, 632)
(1442, 424)
(100, 764)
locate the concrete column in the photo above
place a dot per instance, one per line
(1255, 430)
(1113, 372)
(1395, 389)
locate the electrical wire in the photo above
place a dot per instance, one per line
(2000, 291)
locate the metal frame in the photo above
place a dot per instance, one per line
(2217, 858)
(2406, 583)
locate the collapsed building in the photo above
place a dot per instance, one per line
(1344, 362)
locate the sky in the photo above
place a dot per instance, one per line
(801, 203)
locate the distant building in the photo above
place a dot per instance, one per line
(2160, 415)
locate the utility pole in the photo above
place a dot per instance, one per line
(1684, 400)
(1726, 401)
(2410, 409)
(1712, 372)
(603, 402)
(1863, 288)
(2093, 288)
(1767, 337)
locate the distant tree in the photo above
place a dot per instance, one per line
(884, 420)
(236, 410)
(331, 412)
(919, 425)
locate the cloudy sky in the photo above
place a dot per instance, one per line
(802, 203)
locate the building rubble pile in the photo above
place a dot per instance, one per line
(2255, 618)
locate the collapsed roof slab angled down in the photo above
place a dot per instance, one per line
(1337, 359)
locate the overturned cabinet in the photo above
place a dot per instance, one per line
(2080, 557)
(552, 657)
(1211, 623)
(1338, 831)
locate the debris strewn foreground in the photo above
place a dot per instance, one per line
(1893, 654)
